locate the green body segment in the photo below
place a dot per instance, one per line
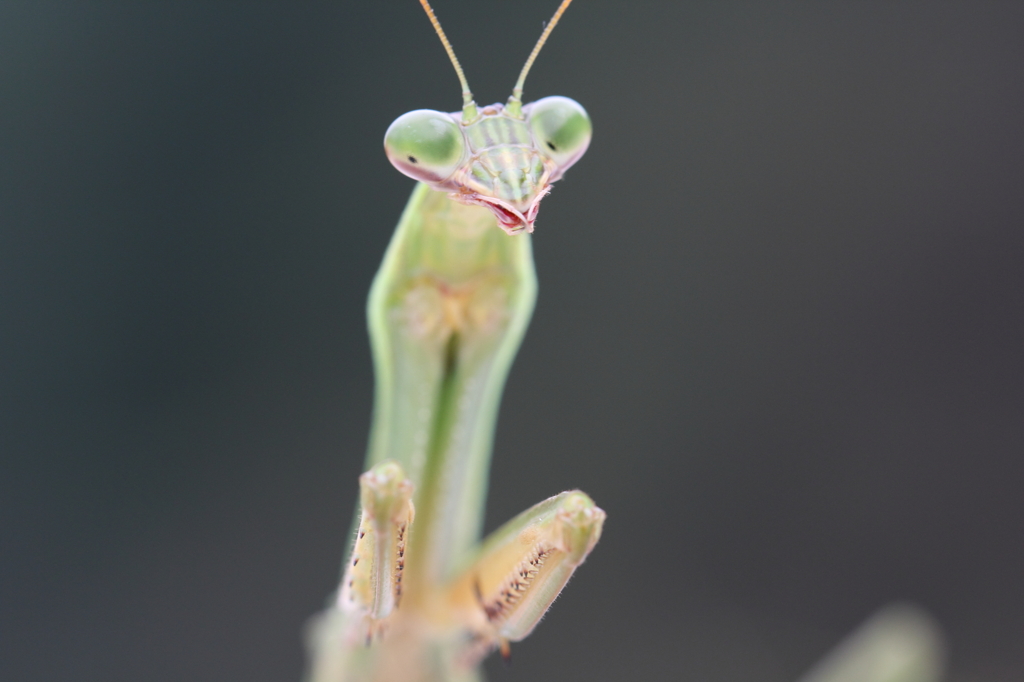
(421, 600)
(447, 312)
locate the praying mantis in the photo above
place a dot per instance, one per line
(420, 600)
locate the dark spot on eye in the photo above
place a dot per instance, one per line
(412, 159)
(551, 146)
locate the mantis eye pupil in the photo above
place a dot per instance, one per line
(551, 146)
(412, 159)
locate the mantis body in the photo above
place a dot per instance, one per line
(420, 599)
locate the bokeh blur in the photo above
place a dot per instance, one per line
(779, 339)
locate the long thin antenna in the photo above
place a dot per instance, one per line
(515, 102)
(468, 105)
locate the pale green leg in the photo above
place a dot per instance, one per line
(898, 644)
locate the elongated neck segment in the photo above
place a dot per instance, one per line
(447, 312)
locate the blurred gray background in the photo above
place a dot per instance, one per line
(780, 333)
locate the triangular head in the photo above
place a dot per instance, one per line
(503, 158)
(503, 162)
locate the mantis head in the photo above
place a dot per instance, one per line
(499, 161)
(503, 158)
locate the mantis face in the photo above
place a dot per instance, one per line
(504, 159)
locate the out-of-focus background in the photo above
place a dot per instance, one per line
(780, 333)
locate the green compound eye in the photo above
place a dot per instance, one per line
(561, 129)
(425, 145)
